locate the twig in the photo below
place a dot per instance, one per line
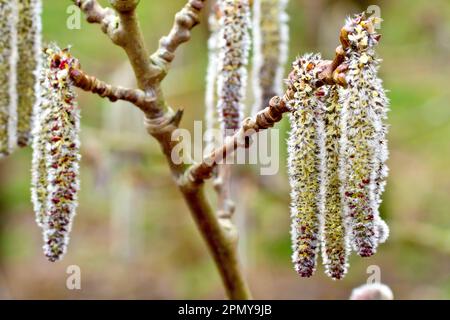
(89, 83)
(95, 13)
(185, 20)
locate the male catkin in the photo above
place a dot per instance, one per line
(364, 148)
(56, 153)
(304, 148)
(234, 43)
(8, 78)
(29, 50)
(334, 234)
(270, 48)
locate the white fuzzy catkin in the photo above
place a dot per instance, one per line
(334, 234)
(29, 52)
(364, 147)
(211, 118)
(56, 153)
(234, 43)
(270, 49)
(8, 78)
(305, 148)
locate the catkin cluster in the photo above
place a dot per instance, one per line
(8, 61)
(20, 29)
(337, 156)
(233, 46)
(270, 42)
(56, 154)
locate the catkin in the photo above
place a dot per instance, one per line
(8, 78)
(270, 48)
(334, 234)
(211, 79)
(29, 49)
(234, 45)
(56, 153)
(305, 147)
(364, 148)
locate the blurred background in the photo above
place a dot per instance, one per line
(133, 236)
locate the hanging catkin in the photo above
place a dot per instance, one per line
(334, 234)
(234, 45)
(211, 118)
(8, 79)
(270, 47)
(56, 153)
(364, 147)
(29, 50)
(305, 148)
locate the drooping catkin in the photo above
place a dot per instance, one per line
(8, 78)
(305, 147)
(56, 153)
(270, 48)
(29, 50)
(334, 233)
(234, 46)
(364, 148)
(211, 118)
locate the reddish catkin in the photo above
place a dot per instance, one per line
(234, 43)
(29, 51)
(8, 62)
(304, 149)
(56, 153)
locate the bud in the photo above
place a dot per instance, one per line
(56, 153)
(334, 234)
(305, 146)
(8, 80)
(29, 50)
(364, 147)
(234, 45)
(270, 48)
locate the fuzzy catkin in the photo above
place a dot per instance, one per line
(211, 79)
(234, 43)
(364, 148)
(8, 77)
(29, 50)
(270, 48)
(305, 147)
(334, 233)
(56, 153)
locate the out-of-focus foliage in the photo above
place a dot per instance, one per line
(143, 244)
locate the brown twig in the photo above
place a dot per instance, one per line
(89, 83)
(185, 20)
(106, 17)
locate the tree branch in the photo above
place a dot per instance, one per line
(161, 121)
